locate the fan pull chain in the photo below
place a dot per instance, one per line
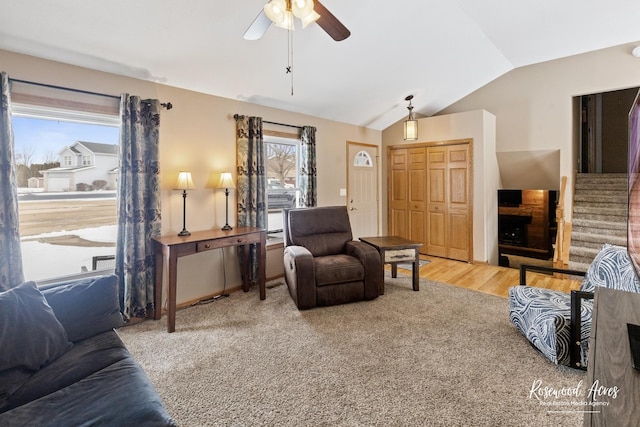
(290, 57)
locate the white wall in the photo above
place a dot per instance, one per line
(198, 135)
(534, 105)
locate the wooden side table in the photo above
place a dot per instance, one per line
(394, 250)
(169, 248)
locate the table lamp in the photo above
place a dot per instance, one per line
(184, 183)
(226, 182)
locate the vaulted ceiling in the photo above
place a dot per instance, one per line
(437, 50)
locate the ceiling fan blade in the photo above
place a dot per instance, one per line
(258, 27)
(330, 23)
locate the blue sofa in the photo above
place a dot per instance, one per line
(62, 363)
(552, 320)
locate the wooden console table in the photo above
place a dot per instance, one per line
(393, 250)
(170, 248)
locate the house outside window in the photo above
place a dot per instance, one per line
(282, 161)
(66, 173)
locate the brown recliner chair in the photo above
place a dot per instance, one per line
(322, 264)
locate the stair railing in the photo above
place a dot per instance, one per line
(559, 247)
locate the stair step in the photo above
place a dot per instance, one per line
(601, 183)
(606, 184)
(584, 254)
(603, 218)
(597, 240)
(584, 263)
(601, 177)
(578, 266)
(616, 196)
(582, 239)
(590, 224)
(606, 210)
(609, 183)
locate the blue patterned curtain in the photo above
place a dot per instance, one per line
(138, 204)
(252, 183)
(11, 273)
(307, 174)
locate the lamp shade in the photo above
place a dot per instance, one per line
(184, 181)
(287, 22)
(226, 180)
(309, 19)
(301, 8)
(410, 130)
(276, 10)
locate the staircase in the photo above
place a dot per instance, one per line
(599, 216)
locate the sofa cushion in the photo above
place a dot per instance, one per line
(611, 268)
(86, 307)
(30, 334)
(337, 269)
(118, 395)
(85, 358)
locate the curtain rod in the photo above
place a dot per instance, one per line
(64, 88)
(282, 124)
(237, 117)
(166, 105)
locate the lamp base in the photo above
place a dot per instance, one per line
(184, 233)
(227, 227)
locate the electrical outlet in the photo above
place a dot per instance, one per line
(343, 192)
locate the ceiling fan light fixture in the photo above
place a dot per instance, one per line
(308, 11)
(309, 19)
(301, 8)
(276, 11)
(287, 22)
(411, 124)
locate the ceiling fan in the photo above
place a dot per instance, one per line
(282, 13)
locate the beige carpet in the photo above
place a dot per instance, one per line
(441, 356)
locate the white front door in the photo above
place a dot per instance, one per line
(362, 189)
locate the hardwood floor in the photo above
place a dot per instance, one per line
(489, 279)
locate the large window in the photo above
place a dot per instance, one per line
(67, 177)
(282, 158)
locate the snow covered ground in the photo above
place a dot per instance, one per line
(44, 260)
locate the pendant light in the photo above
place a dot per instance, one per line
(411, 124)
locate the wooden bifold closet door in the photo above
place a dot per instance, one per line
(407, 194)
(449, 202)
(430, 198)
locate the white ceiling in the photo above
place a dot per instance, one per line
(437, 50)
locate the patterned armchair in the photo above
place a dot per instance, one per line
(559, 324)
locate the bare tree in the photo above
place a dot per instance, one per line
(49, 157)
(25, 156)
(281, 159)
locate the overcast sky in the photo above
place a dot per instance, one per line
(46, 138)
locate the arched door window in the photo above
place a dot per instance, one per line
(363, 159)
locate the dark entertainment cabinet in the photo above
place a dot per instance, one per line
(526, 222)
